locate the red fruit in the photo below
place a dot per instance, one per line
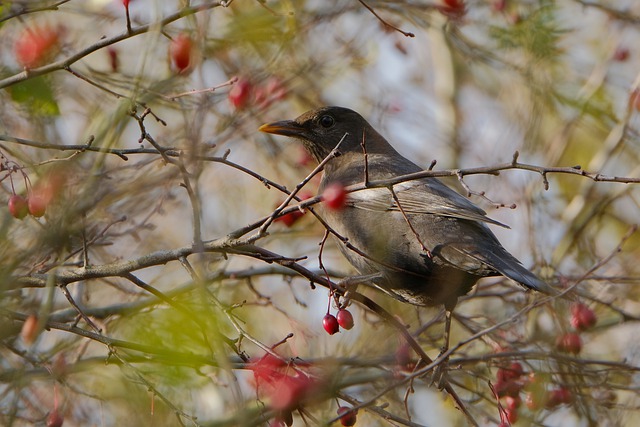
(29, 330)
(514, 371)
(512, 415)
(558, 397)
(275, 89)
(180, 52)
(114, 62)
(509, 388)
(634, 99)
(239, 93)
(18, 207)
(621, 54)
(260, 97)
(287, 391)
(268, 367)
(453, 9)
(304, 158)
(125, 3)
(35, 45)
(330, 324)
(345, 319)
(512, 403)
(403, 356)
(334, 196)
(37, 205)
(268, 93)
(499, 5)
(347, 416)
(569, 343)
(54, 419)
(582, 317)
(291, 218)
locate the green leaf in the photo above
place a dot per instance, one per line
(36, 95)
(537, 34)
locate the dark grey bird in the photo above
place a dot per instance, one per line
(419, 240)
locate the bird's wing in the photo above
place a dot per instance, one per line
(426, 196)
(498, 259)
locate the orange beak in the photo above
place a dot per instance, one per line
(284, 127)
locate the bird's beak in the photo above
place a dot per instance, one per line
(284, 127)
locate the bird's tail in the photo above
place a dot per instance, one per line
(507, 265)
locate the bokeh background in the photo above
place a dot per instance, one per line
(134, 125)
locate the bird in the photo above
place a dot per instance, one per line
(418, 240)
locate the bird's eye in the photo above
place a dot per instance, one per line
(326, 121)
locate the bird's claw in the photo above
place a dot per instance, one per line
(350, 284)
(439, 378)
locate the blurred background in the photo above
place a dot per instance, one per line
(128, 137)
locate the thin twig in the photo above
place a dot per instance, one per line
(385, 23)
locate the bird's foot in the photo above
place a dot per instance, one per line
(439, 377)
(350, 284)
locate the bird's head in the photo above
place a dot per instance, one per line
(320, 131)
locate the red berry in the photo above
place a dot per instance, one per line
(334, 196)
(347, 416)
(54, 419)
(509, 388)
(499, 5)
(34, 45)
(114, 61)
(29, 330)
(453, 9)
(125, 3)
(239, 93)
(634, 99)
(304, 158)
(514, 371)
(275, 89)
(512, 415)
(18, 207)
(403, 356)
(287, 391)
(345, 319)
(569, 343)
(512, 403)
(180, 52)
(291, 218)
(330, 324)
(621, 54)
(37, 205)
(260, 97)
(558, 397)
(582, 317)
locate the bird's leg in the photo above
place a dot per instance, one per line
(351, 285)
(439, 372)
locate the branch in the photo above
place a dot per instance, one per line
(64, 64)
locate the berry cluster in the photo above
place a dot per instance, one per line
(332, 324)
(511, 380)
(245, 93)
(582, 319)
(38, 197)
